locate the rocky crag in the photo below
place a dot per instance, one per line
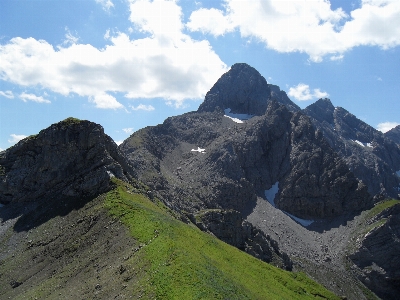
(72, 158)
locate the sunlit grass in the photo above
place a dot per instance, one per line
(184, 263)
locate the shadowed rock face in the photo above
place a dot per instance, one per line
(371, 156)
(72, 158)
(394, 134)
(377, 255)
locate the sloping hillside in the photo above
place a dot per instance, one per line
(123, 245)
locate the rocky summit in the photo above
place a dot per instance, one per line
(313, 190)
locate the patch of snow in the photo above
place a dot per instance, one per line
(302, 222)
(199, 150)
(238, 118)
(110, 174)
(270, 194)
(363, 144)
(358, 142)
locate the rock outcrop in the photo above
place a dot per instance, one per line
(230, 227)
(377, 255)
(371, 156)
(71, 158)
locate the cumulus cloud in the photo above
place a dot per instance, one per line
(386, 126)
(31, 97)
(7, 94)
(106, 101)
(15, 138)
(118, 142)
(106, 4)
(167, 63)
(143, 107)
(302, 92)
(310, 27)
(128, 130)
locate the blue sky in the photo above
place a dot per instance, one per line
(127, 64)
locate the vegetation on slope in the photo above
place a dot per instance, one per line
(184, 263)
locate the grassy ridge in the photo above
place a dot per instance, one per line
(182, 262)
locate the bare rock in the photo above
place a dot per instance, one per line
(71, 158)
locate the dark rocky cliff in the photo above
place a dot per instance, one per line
(71, 158)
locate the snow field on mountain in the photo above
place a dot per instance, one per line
(270, 196)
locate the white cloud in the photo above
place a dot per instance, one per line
(211, 21)
(302, 92)
(118, 142)
(15, 138)
(167, 63)
(106, 4)
(142, 107)
(7, 94)
(386, 126)
(311, 27)
(103, 100)
(128, 130)
(31, 97)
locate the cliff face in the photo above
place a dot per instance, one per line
(370, 155)
(72, 158)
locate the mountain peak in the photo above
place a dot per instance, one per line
(242, 89)
(321, 110)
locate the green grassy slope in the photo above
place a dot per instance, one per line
(181, 262)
